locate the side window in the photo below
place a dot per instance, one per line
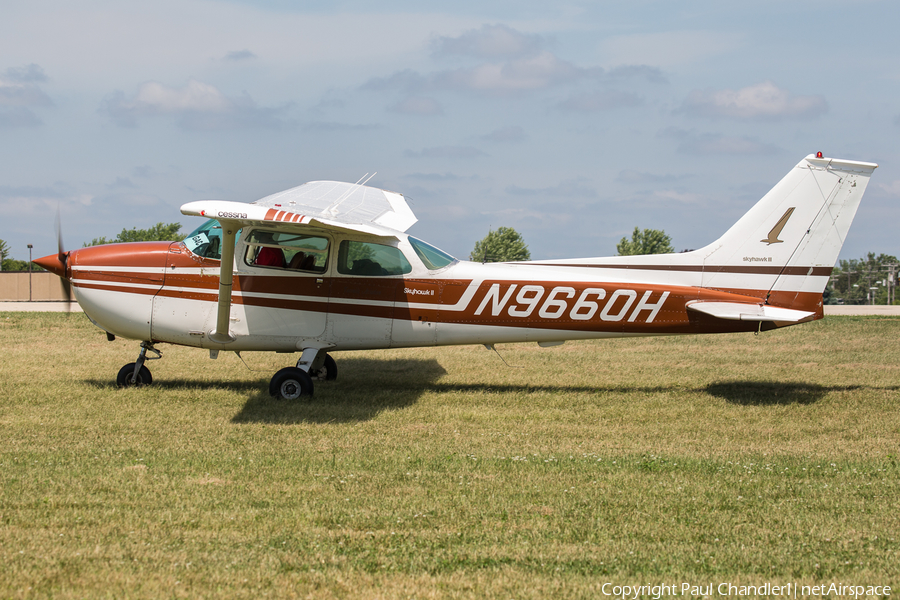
(371, 260)
(287, 250)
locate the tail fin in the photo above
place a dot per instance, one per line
(789, 241)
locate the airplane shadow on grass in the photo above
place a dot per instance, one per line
(773, 393)
(364, 388)
(368, 387)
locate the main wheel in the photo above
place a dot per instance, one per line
(327, 372)
(123, 379)
(291, 383)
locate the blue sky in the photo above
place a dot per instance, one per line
(572, 122)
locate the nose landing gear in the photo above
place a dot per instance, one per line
(136, 374)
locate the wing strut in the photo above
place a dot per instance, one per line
(221, 334)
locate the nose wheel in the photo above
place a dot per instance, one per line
(136, 374)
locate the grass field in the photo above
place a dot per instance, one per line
(443, 473)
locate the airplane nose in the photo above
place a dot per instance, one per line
(53, 263)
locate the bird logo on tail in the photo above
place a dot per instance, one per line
(772, 238)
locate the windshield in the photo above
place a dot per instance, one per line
(206, 240)
(432, 257)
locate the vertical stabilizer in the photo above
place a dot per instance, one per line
(786, 245)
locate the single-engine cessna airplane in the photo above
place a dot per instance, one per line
(326, 266)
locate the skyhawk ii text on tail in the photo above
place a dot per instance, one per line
(326, 266)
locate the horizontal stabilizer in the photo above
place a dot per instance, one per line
(738, 311)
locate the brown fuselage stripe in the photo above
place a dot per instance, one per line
(748, 270)
(672, 317)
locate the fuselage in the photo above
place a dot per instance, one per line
(168, 292)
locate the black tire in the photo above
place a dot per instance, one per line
(123, 379)
(292, 384)
(327, 372)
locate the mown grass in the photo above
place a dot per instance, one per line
(443, 473)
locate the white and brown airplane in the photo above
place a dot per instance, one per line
(325, 267)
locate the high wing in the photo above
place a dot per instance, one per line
(326, 204)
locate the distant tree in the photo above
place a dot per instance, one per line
(852, 280)
(4, 253)
(503, 245)
(11, 264)
(648, 241)
(161, 232)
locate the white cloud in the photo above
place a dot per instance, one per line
(448, 152)
(197, 105)
(239, 55)
(418, 105)
(18, 116)
(36, 201)
(706, 144)
(490, 42)
(507, 135)
(651, 74)
(522, 74)
(28, 74)
(577, 188)
(681, 197)
(668, 48)
(155, 98)
(19, 93)
(508, 62)
(892, 188)
(18, 87)
(642, 177)
(335, 127)
(601, 100)
(761, 101)
(406, 80)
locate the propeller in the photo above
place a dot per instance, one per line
(63, 258)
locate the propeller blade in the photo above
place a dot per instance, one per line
(63, 257)
(60, 247)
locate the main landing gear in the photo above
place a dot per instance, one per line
(136, 374)
(296, 383)
(291, 383)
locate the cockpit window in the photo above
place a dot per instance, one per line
(287, 250)
(206, 240)
(371, 260)
(432, 257)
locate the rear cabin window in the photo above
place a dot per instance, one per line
(287, 250)
(371, 260)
